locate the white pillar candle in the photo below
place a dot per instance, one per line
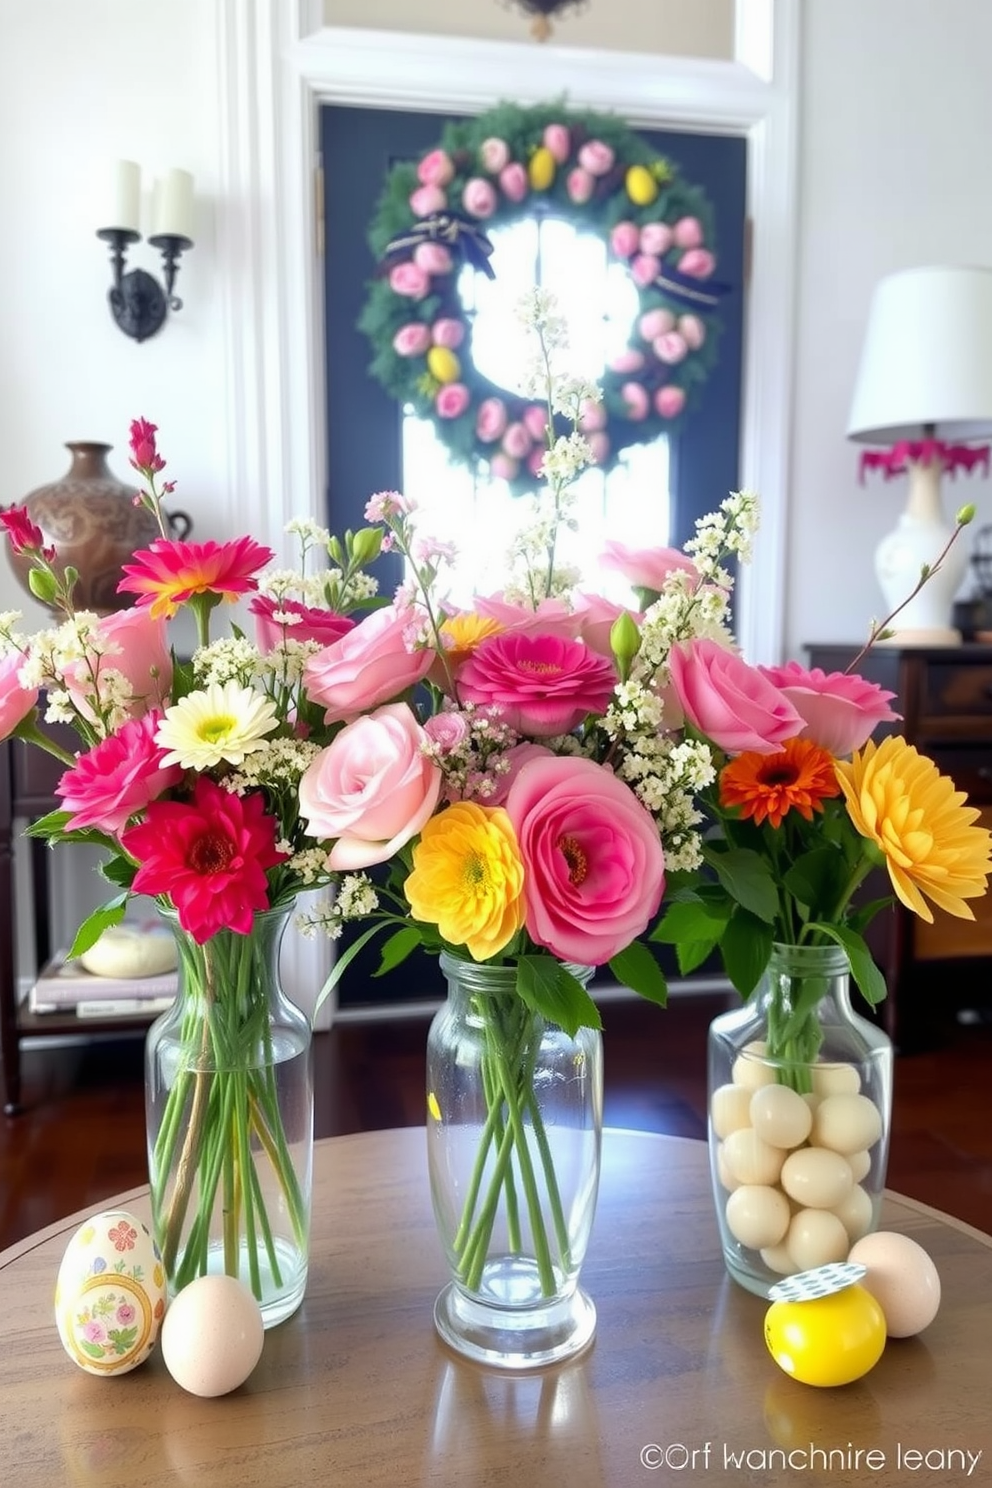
(125, 202)
(173, 206)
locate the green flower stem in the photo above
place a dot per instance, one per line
(554, 1194)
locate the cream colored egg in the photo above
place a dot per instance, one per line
(729, 1109)
(777, 1258)
(836, 1079)
(859, 1164)
(903, 1280)
(780, 1116)
(815, 1237)
(724, 1174)
(110, 1294)
(816, 1177)
(812, 1099)
(749, 1159)
(855, 1213)
(749, 1068)
(757, 1215)
(212, 1335)
(847, 1123)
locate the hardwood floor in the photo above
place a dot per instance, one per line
(81, 1137)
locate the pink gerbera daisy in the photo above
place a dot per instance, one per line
(170, 574)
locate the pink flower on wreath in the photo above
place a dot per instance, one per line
(448, 332)
(599, 447)
(517, 441)
(16, 701)
(427, 200)
(557, 139)
(300, 623)
(410, 280)
(513, 181)
(412, 339)
(699, 263)
(688, 233)
(116, 779)
(433, 258)
(490, 420)
(644, 269)
(625, 239)
(452, 400)
(209, 856)
(544, 684)
(535, 418)
(729, 701)
(435, 169)
(635, 401)
(370, 665)
(479, 198)
(371, 789)
(656, 238)
(692, 330)
(654, 323)
(840, 711)
(669, 348)
(592, 416)
(136, 648)
(580, 185)
(594, 867)
(503, 467)
(596, 157)
(669, 401)
(494, 154)
(629, 360)
(535, 461)
(647, 568)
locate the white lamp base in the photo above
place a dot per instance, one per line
(920, 537)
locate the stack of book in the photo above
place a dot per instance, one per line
(65, 986)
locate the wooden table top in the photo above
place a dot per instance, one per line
(357, 1389)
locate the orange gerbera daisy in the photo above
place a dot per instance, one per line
(170, 574)
(798, 777)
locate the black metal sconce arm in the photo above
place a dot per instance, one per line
(137, 301)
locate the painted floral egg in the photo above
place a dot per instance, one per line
(110, 1294)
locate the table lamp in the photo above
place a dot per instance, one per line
(924, 385)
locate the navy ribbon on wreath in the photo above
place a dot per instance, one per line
(686, 290)
(450, 228)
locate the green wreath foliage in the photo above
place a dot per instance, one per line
(498, 168)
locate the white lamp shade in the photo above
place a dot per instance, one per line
(926, 364)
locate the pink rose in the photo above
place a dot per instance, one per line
(448, 332)
(699, 263)
(647, 568)
(599, 447)
(656, 238)
(446, 731)
(544, 684)
(644, 269)
(494, 153)
(117, 778)
(551, 617)
(433, 258)
(490, 420)
(594, 868)
(557, 139)
(513, 181)
(669, 401)
(452, 400)
(304, 623)
(427, 200)
(503, 467)
(625, 239)
(840, 711)
(412, 339)
(408, 279)
(635, 400)
(136, 647)
(688, 232)
(592, 416)
(479, 198)
(627, 361)
(372, 664)
(517, 441)
(580, 185)
(535, 418)
(692, 330)
(16, 701)
(729, 701)
(654, 323)
(596, 617)
(436, 169)
(596, 157)
(669, 348)
(515, 757)
(371, 789)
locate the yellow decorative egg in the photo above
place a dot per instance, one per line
(443, 365)
(110, 1294)
(828, 1340)
(642, 188)
(541, 170)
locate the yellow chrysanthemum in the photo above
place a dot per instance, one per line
(461, 635)
(468, 878)
(897, 798)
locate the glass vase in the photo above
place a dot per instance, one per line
(229, 1108)
(800, 1106)
(514, 1129)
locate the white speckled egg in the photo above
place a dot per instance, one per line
(836, 1079)
(749, 1159)
(816, 1237)
(780, 1116)
(213, 1335)
(816, 1178)
(847, 1123)
(110, 1294)
(903, 1280)
(758, 1215)
(729, 1109)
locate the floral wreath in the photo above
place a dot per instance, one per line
(494, 170)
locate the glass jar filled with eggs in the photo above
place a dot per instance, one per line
(800, 1104)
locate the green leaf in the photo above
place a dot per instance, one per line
(867, 977)
(748, 880)
(746, 948)
(397, 948)
(42, 585)
(692, 953)
(119, 871)
(816, 878)
(51, 825)
(549, 989)
(343, 962)
(636, 968)
(692, 920)
(94, 925)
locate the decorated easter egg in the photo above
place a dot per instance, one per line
(642, 188)
(110, 1294)
(825, 1340)
(541, 169)
(213, 1334)
(443, 364)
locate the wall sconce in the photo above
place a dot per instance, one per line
(137, 301)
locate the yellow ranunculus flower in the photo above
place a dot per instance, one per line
(897, 798)
(443, 364)
(541, 169)
(468, 878)
(642, 188)
(461, 634)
